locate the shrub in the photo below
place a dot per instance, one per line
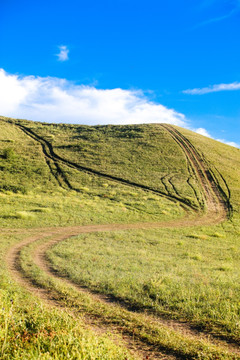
(18, 189)
(9, 153)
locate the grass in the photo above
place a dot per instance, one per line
(196, 279)
(26, 185)
(134, 153)
(34, 332)
(222, 158)
(115, 317)
(31, 330)
(190, 274)
(69, 208)
(22, 165)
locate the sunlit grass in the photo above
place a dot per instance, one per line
(31, 330)
(151, 332)
(191, 274)
(175, 273)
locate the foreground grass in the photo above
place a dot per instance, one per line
(31, 330)
(115, 317)
(188, 273)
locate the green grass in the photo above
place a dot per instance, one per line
(182, 273)
(31, 330)
(153, 333)
(22, 165)
(34, 332)
(136, 153)
(69, 208)
(174, 273)
(27, 187)
(222, 158)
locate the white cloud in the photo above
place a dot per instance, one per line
(204, 132)
(213, 88)
(231, 143)
(58, 100)
(63, 54)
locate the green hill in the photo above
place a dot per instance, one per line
(135, 227)
(116, 163)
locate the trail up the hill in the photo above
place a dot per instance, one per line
(214, 209)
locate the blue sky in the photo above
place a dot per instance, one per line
(138, 61)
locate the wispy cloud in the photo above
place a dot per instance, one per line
(213, 88)
(204, 132)
(235, 9)
(63, 54)
(219, 18)
(58, 100)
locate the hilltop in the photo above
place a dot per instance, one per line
(107, 161)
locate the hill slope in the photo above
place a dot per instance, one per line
(47, 157)
(143, 241)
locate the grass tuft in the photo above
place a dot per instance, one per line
(198, 236)
(25, 215)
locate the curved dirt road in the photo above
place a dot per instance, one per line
(215, 211)
(139, 346)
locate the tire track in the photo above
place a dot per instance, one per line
(40, 258)
(214, 202)
(145, 349)
(50, 298)
(214, 195)
(51, 162)
(51, 155)
(137, 347)
(212, 190)
(216, 211)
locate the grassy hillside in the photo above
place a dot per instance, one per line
(131, 153)
(166, 278)
(225, 162)
(136, 153)
(36, 191)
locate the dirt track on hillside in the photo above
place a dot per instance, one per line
(216, 210)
